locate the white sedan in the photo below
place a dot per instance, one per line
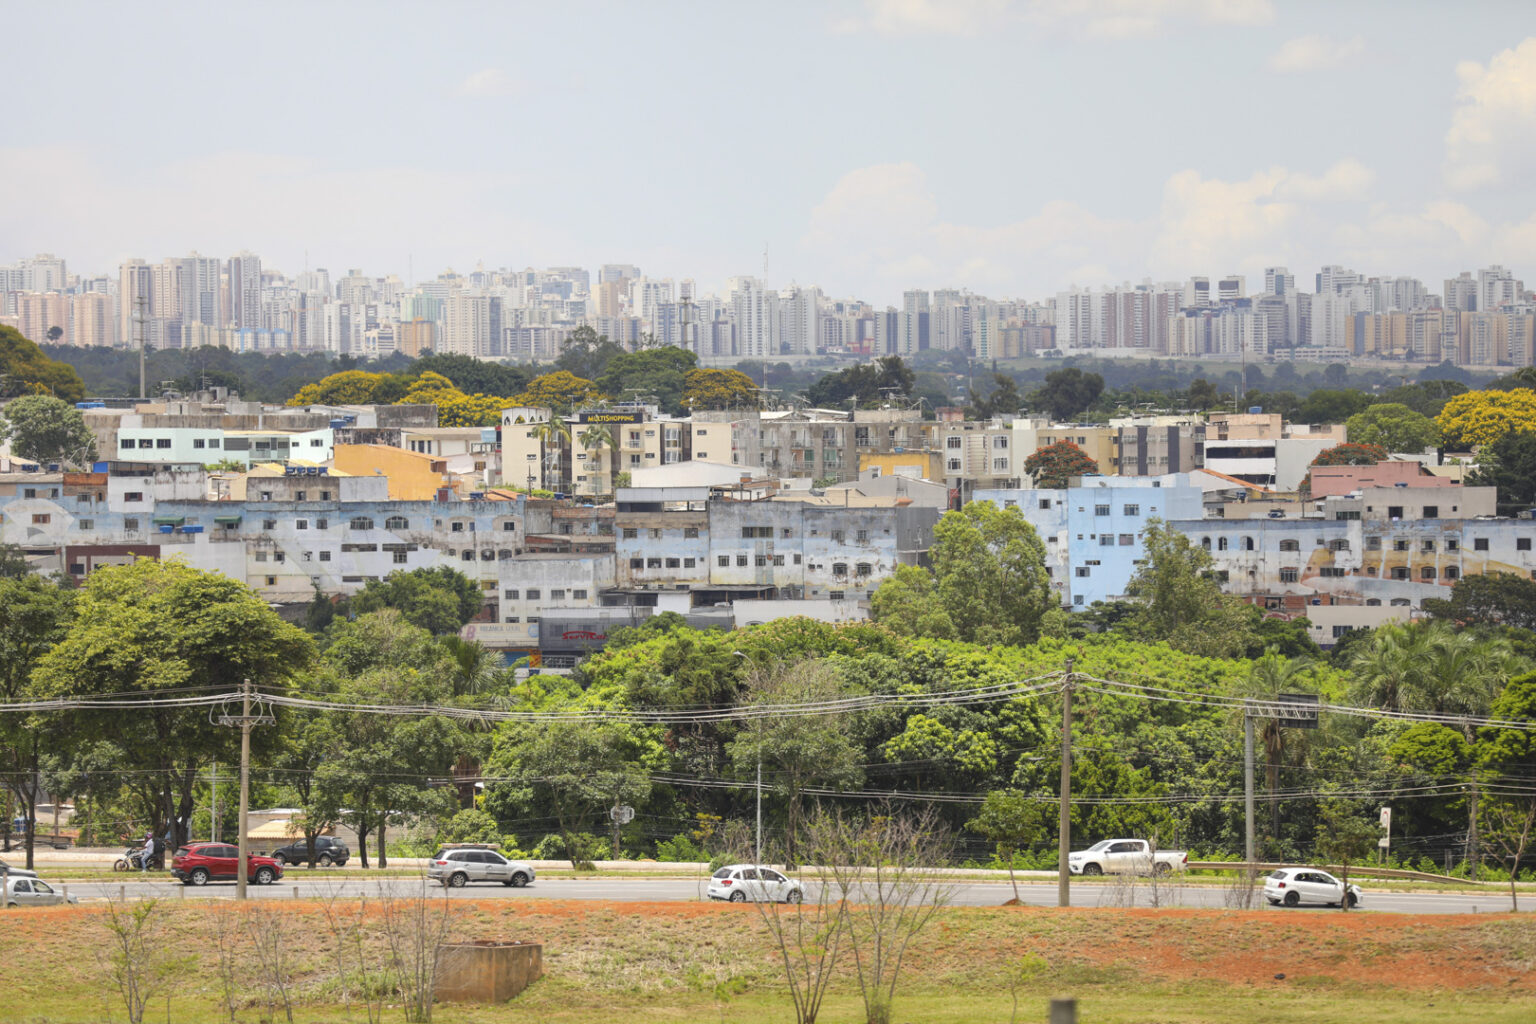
(1295, 886)
(741, 882)
(33, 892)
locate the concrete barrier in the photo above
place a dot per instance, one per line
(486, 971)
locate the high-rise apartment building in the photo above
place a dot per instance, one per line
(472, 326)
(749, 312)
(135, 292)
(245, 311)
(1461, 293)
(1497, 287)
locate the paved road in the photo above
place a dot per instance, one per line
(670, 889)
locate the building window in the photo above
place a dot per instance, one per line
(1522, 543)
(1431, 511)
(325, 556)
(278, 556)
(674, 563)
(1338, 545)
(1333, 571)
(557, 595)
(261, 556)
(1427, 573)
(637, 563)
(741, 561)
(360, 523)
(798, 559)
(301, 524)
(513, 619)
(400, 523)
(864, 569)
(1399, 572)
(690, 563)
(1288, 575)
(953, 464)
(1133, 510)
(1399, 545)
(1221, 543)
(533, 594)
(126, 442)
(631, 533)
(1247, 543)
(145, 442)
(653, 563)
(1453, 545)
(456, 527)
(322, 524)
(1082, 571)
(130, 525)
(268, 525)
(86, 524)
(1451, 572)
(133, 496)
(41, 518)
(1101, 510)
(1290, 545)
(1127, 540)
(1480, 544)
(760, 561)
(724, 561)
(953, 443)
(198, 442)
(468, 555)
(1106, 540)
(690, 532)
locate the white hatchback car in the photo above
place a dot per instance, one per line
(741, 882)
(1295, 886)
(33, 892)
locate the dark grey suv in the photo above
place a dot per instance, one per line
(328, 850)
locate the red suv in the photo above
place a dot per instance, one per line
(201, 863)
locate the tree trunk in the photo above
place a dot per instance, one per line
(383, 854)
(362, 839)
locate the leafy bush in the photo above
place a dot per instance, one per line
(471, 826)
(680, 848)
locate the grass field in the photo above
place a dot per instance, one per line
(665, 962)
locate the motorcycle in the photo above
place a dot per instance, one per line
(133, 860)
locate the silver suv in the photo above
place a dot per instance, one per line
(457, 866)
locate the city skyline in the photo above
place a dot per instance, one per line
(871, 148)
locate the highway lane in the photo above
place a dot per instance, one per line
(973, 894)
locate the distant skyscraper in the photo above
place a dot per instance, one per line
(135, 288)
(1461, 293)
(245, 291)
(750, 314)
(914, 321)
(1497, 287)
(617, 272)
(1279, 281)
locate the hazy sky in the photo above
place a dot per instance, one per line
(1008, 147)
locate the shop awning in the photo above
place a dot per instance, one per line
(227, 519)
(169, 520)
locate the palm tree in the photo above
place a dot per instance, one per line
(596, 438)
(1268, 676)
(1437, 668)
(552, 431)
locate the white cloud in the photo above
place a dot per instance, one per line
(1492, 138)
(882, 229)
(489, 82)
(1314, 53)
(1113, 19)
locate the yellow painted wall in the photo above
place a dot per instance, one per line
(412, 475)
(930, 465)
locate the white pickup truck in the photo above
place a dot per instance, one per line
(1125, 857)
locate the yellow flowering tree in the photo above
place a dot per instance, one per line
(559, 390)
(349, 387)
(1480, 418)
(710, 388)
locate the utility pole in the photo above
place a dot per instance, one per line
(1064, 831)
(1248, 843)
(213, 803)
(139, 322)
(245, 720)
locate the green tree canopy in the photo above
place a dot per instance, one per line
(988, 574)
(586, 353)
(1067, 392)
(25, 370)
(1393, 427)
(43, 429)
(1490, 599)
(440, 599)
(866, 384)
(1181, 601)
(1510, 466)
(154, 627)
(1327, 405)
(710, 388)
(650, 374)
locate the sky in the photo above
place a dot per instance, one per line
(1011, 147)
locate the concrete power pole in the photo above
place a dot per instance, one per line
(1064, 830)
(245, 720)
